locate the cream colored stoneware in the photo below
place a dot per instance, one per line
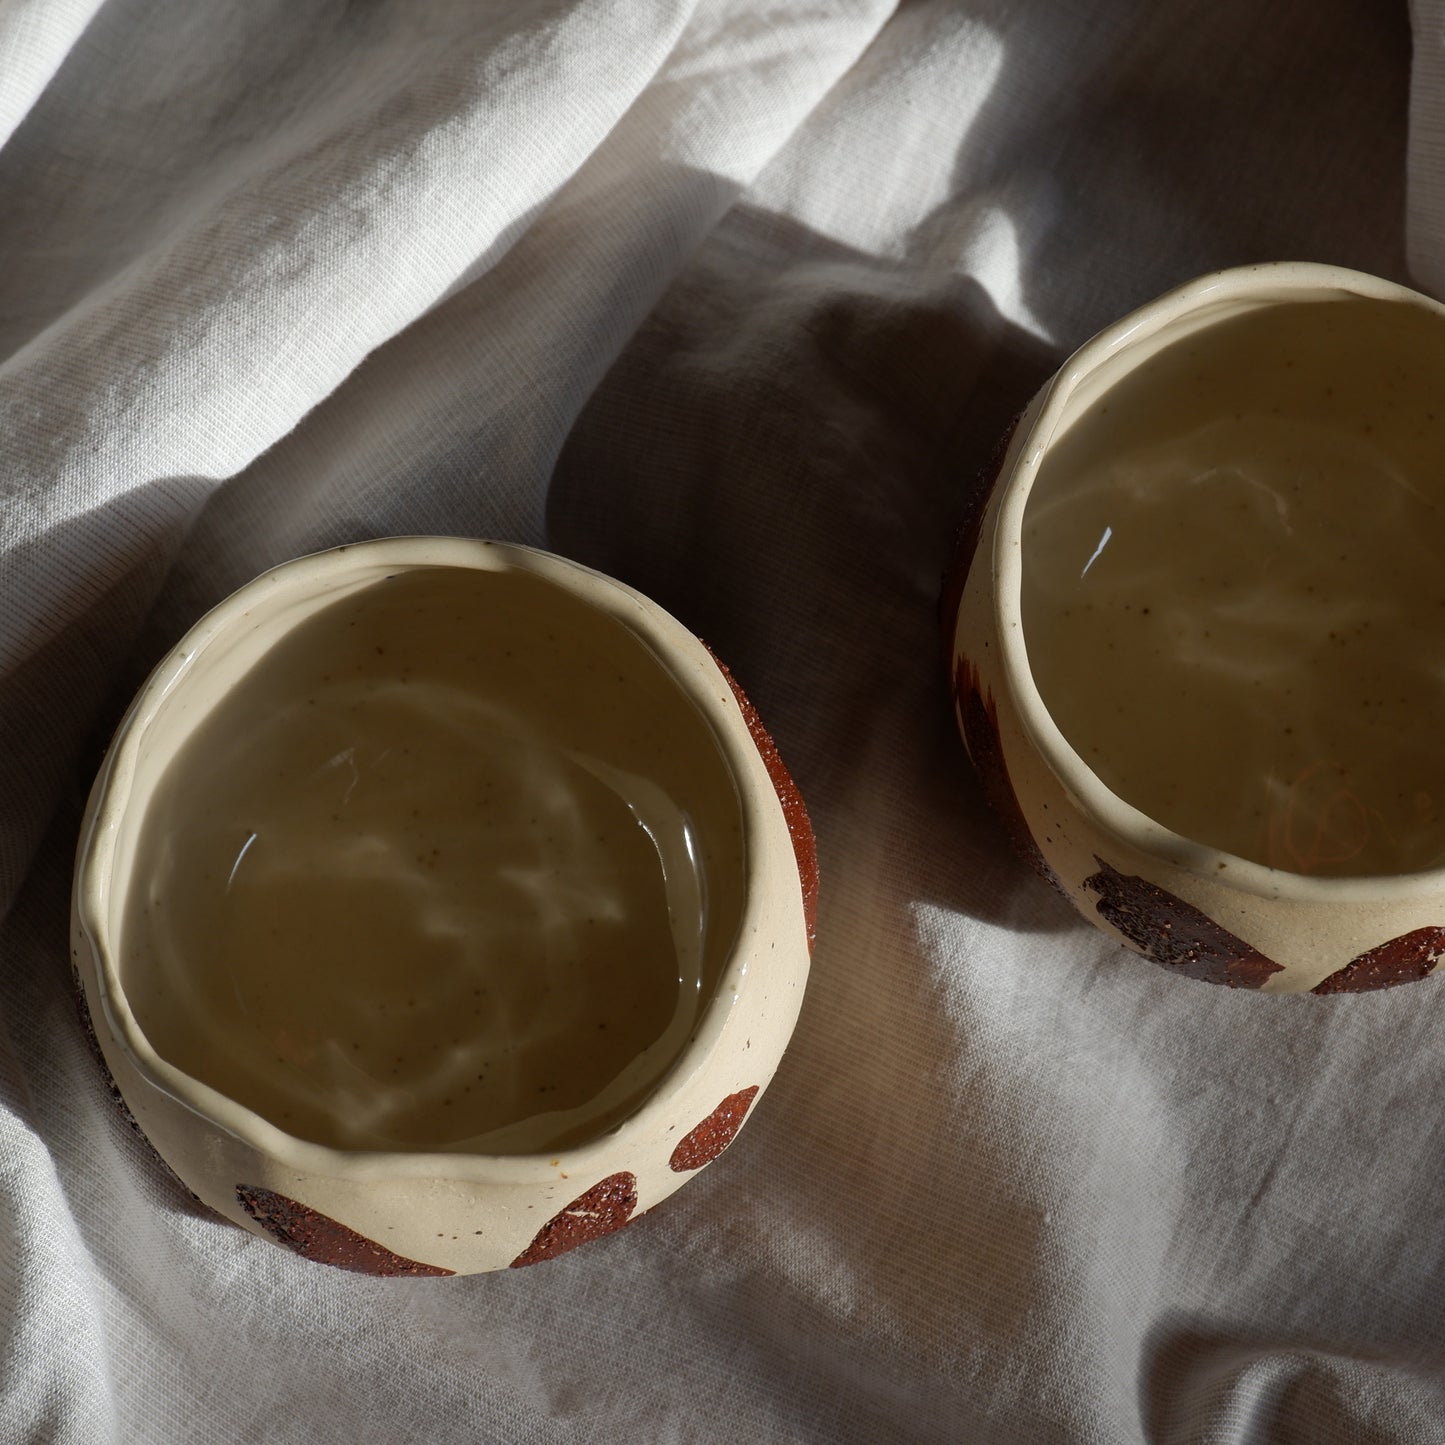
(1198, 909)
(640, 723)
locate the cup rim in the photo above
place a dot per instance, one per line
(688, 664)
(1125, 823)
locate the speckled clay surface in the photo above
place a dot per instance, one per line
(405, 1213)
(1195, 911)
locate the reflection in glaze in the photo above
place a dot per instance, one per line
(422, 884)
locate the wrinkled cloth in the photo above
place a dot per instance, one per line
(731, 301)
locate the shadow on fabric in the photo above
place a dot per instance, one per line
(782, 458)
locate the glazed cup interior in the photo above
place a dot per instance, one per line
(1305, 412)
(585, 718)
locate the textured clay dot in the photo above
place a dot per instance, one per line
(317, 1236)
(1405, 959)
(704, 1143)
(1174, 933)
(606, 1207)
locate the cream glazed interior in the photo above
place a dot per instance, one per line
(417, 884)
(429, 870)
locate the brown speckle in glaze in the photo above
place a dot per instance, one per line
(800, 830)
(1174, 933)
(606, 1207)
(317, 1236)
(704, 1143)
(1404, 959)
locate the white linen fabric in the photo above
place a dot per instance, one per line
(730, 300)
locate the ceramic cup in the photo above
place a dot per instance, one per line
(1195, 628)
(441, 905)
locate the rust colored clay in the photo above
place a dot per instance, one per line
(704, 1143)
(1174, 933)
(1405, 959)
(317, 1236)
(800, 830)
(606, 1207)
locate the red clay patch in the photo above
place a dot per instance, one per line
(1174, 933)
(703, 1144)
(800, 830)
(1405, 959)
(317, 1236)
(606, 1207)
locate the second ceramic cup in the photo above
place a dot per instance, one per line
(1195, 630)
